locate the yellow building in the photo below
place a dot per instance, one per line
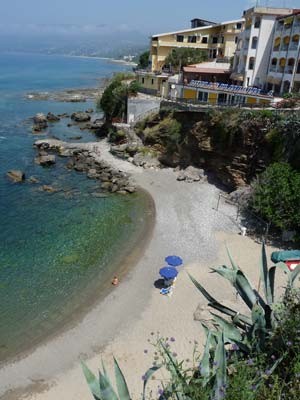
(215, 93)
(217, 40)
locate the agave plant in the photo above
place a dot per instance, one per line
(102, 388)
(254, 330)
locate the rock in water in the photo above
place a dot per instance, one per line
(81, 116)
(52, 118)
(40, 122)
(45, 160)
(49, 189)
(16, 175)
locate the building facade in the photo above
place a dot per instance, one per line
(217, 40)
(252, 55)
(284, 66)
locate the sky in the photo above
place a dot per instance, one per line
(88, 16)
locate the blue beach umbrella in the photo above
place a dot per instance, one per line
(168, 272)
(173, 260)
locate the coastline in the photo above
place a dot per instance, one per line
(178, 226)
(121, 264)
(186, 224)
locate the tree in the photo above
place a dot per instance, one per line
(144, 60)
(276, 196)
(114, 98)
(181, 57)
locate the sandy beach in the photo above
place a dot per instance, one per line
(186, 224)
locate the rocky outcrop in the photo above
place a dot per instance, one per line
(84, 159)
(40, 122)
(45, 160)
(192, 174)
(146, 160)
(241, 196)
(16, 176)
(80, 116)
(52, 117)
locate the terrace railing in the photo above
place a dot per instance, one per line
(228, 88)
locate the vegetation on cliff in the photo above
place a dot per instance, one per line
(144, 60)
(276, 196)
(113, 101)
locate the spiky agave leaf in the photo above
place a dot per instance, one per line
(272, 272)
(294, 274)
(147, 376)
(92, 381)
(233, 264)
(218, 306)
(121, 382)
(106, 389)
(204, 366)
(244, 289)
(213, 338)
(226, 272)
(229, 330)
(258, 330)
(264, 275)
(220, 369)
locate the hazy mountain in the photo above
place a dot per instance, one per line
(97, 40)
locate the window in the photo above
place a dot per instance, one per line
(192, 39)
(222, 98)
(204, 39)
(273, 64)
(239, 25)
(257, 22)
(222, 39)
(251, 63)
(254, 42)
(215, 39)
(236, 39)
(203, 96)
(143, 80)
(180, 38)
(298, 68)
(152, 81)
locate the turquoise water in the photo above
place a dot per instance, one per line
(56, 250)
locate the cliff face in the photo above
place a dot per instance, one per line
(230, 144)
(233, 151)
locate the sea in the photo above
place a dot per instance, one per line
(57, 250)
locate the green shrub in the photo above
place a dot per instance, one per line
(276, 196)
(113, 101)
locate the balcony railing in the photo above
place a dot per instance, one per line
(293, 47)
(227, 87)
(289, 70)
(284, 47)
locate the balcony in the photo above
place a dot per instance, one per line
(289, 69)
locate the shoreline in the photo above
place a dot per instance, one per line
(179, 224)
(129, 255)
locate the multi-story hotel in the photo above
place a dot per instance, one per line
(254, 45)
(284, 66)
(218, 40)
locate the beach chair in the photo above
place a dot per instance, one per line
(166, 291)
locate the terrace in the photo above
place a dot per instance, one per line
(225, 87)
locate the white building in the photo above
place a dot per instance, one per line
(251, 60)
(284, 66)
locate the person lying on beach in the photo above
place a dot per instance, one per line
(115, 281)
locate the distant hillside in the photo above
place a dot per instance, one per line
(74, 40)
